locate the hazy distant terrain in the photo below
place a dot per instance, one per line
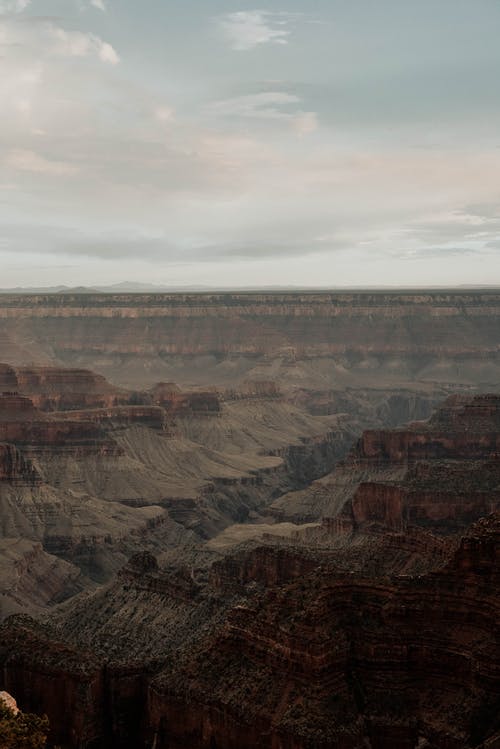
(317, 341)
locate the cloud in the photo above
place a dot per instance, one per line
(28, 42)
(99, 4)
(63, 240)
(477, 226)
(80, 44)
(29, 161)
(245, 30)
(13, 6)
(267, 105)
(305, 123)
(126, 245)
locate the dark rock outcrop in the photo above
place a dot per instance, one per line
(278, 647)
(326, 659)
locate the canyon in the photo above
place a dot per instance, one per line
(252, 520)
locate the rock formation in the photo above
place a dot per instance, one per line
(278, 646)
(316, 340)
(9, 701)
(376, 628)
(443, 473)
(322, 658)
(262, 556)
(178, 403)
(89, 486)
(60, 388)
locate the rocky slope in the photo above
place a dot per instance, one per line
(127, 470)
(376, 628)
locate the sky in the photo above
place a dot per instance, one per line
(229, 143)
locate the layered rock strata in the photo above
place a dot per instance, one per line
(314, 339)
(59, 389)
(374, 628)
(82, 482)
(443, 473)
(278, 647)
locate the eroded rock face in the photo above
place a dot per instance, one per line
(15, 468)
(49, 677)
(60, 388)
(374, 627)
(443, 473)
(177, 403)
(452, 469)
(279, 646)
(326, 659)
(92, 485)
(8, 379)
(64, 389)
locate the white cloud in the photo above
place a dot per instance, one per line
(39, 38)
(13, 6)
(80, 44)
(99, 4)
(106, 52)
(248, 29)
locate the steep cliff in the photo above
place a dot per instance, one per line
(442, 473)
(388, 643)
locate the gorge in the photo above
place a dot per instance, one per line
(252, 520)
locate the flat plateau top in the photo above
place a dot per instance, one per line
(355, 297)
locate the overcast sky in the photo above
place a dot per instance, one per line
(219, 142)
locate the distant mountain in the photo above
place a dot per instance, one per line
(131, 287)
(50, 290)
(127, 287)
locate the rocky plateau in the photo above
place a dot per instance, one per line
(320, 341)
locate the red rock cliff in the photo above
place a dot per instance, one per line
(452, 467)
